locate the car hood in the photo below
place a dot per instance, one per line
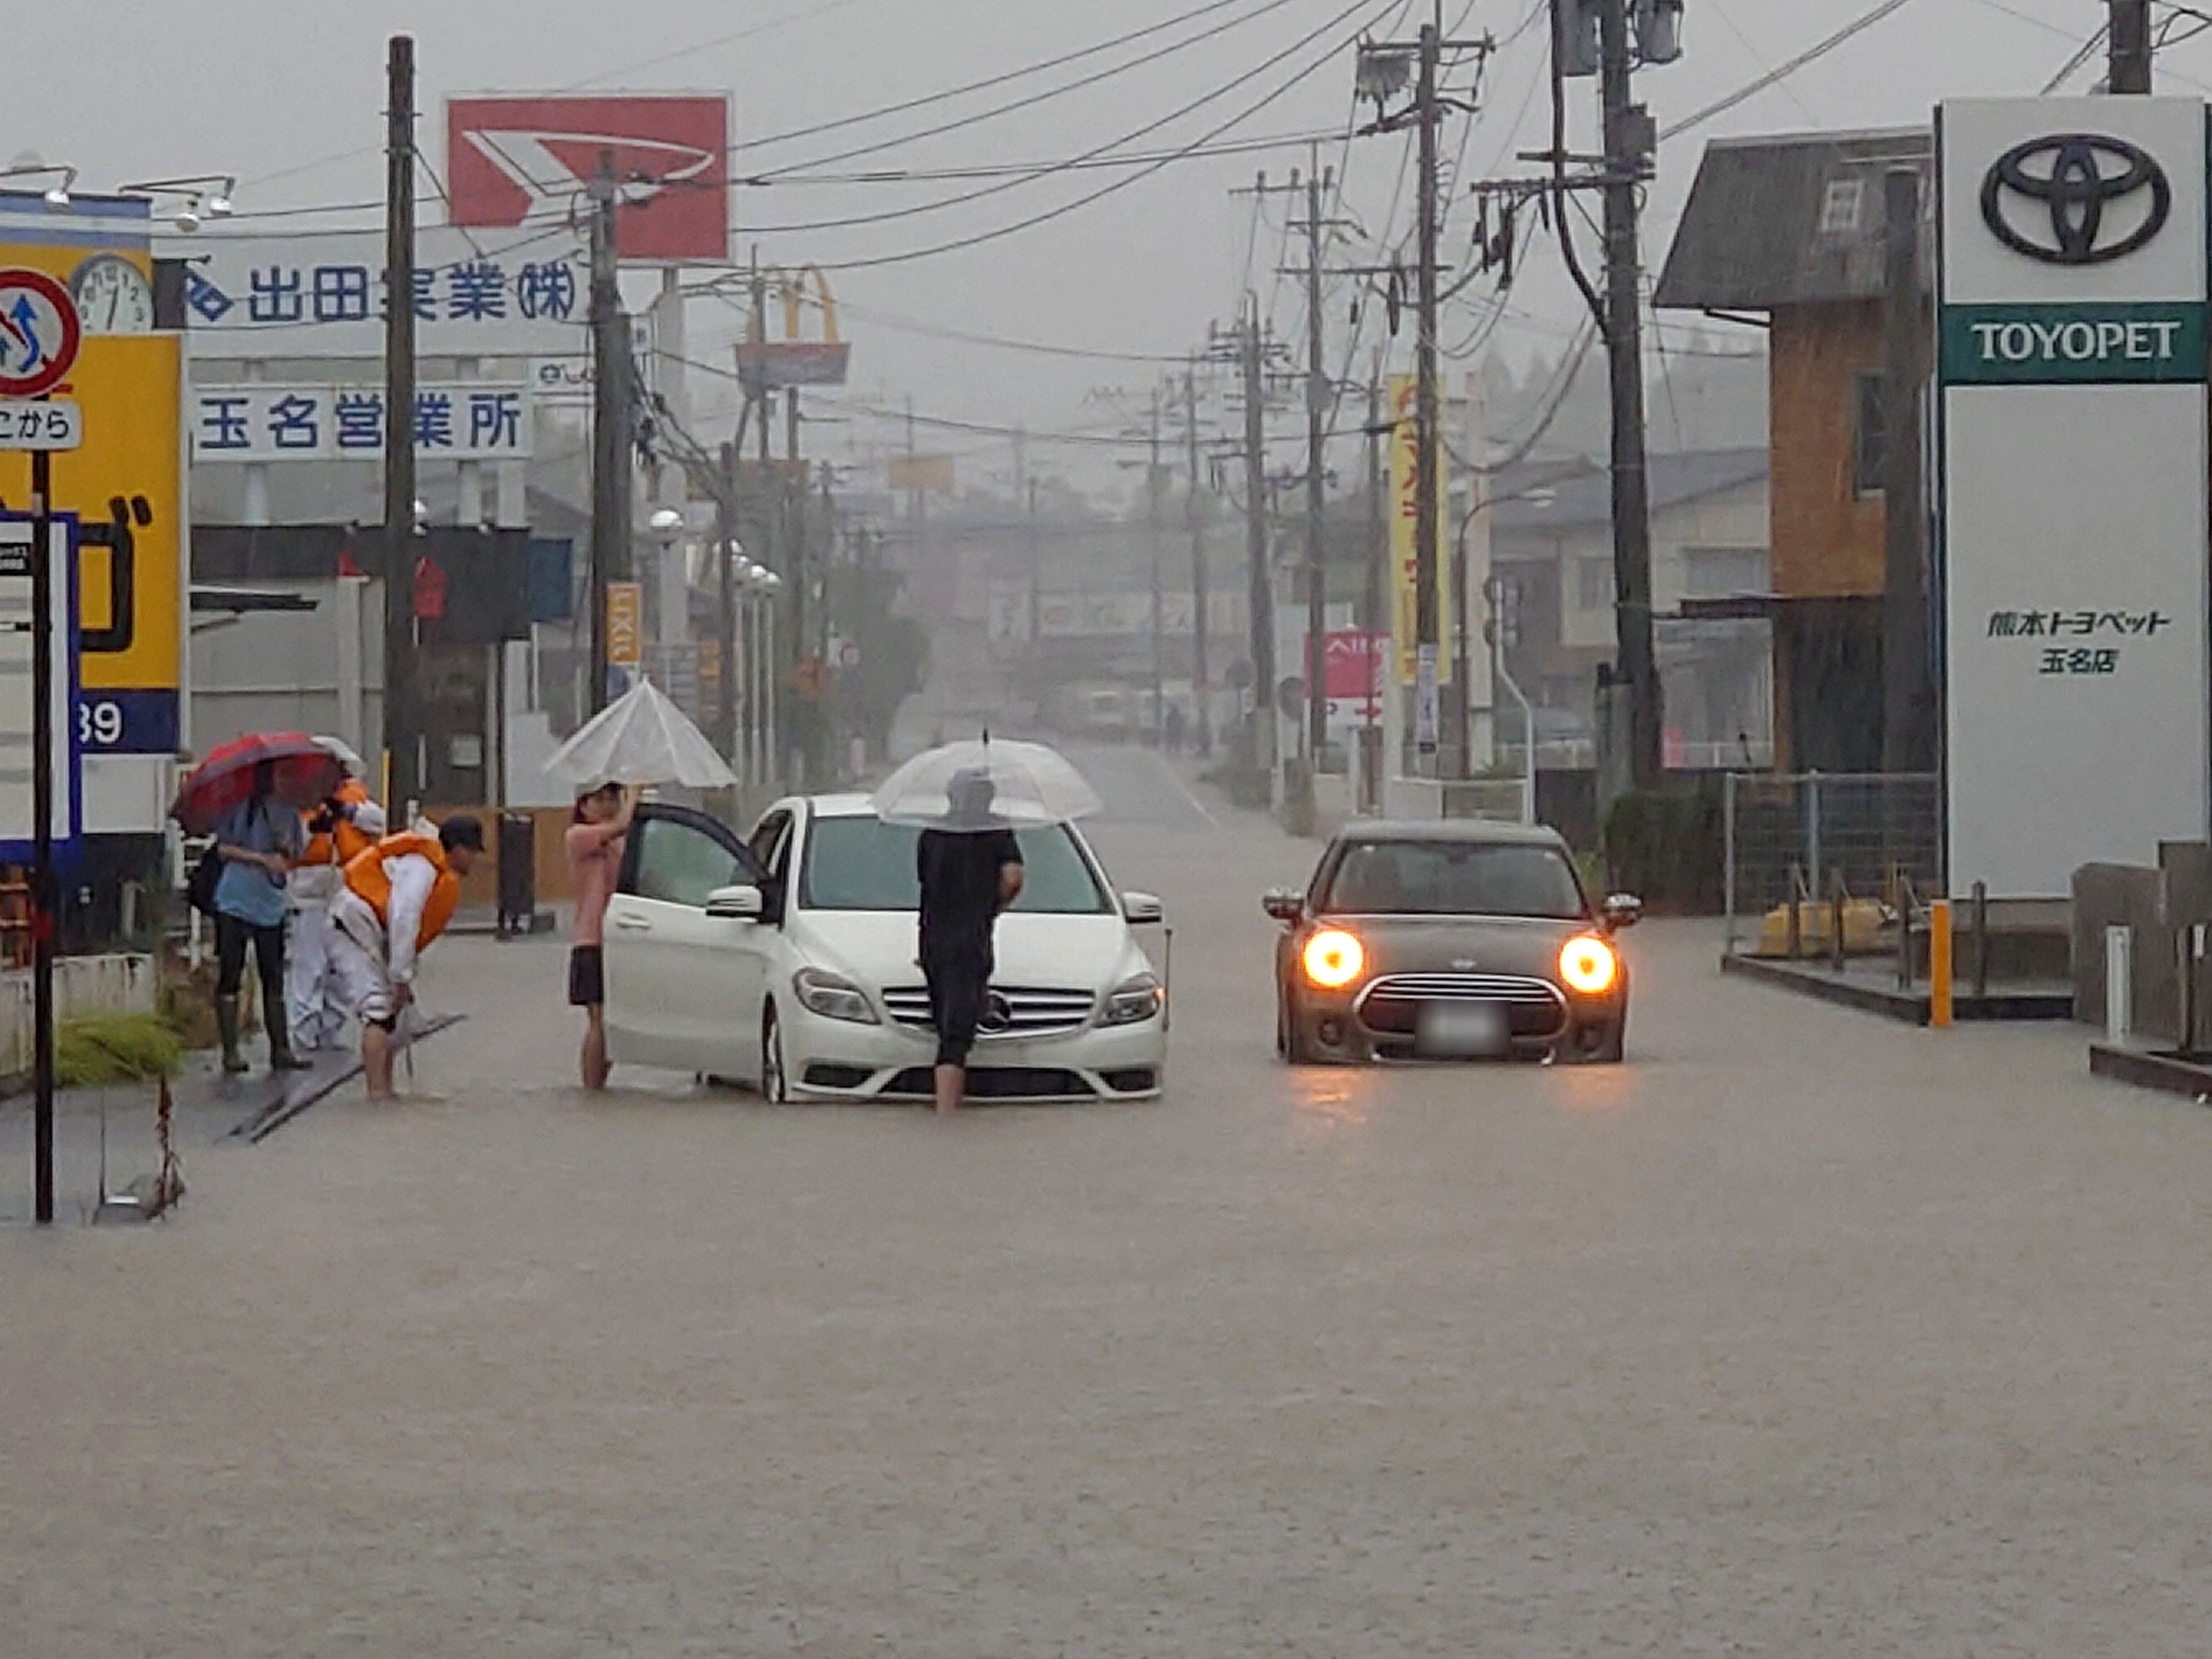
(878, 948)
(1467, 945)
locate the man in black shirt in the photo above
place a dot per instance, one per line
(969, 871)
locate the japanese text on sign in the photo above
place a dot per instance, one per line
(473, 420)
(523, 294)
(2080, 625)
(37, 425)
(2091, 623)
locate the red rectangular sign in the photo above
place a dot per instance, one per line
(514, 159)
(1355, 664)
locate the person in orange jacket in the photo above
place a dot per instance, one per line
(398, 896)
(346, 825)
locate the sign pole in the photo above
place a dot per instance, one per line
(42, 832)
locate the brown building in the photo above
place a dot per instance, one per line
(1788, 232)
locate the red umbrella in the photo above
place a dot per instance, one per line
(303, 774)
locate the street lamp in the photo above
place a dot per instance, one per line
(764, 584)
(57, 195)
(206, 196)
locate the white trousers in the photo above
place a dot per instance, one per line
(313, 1000)
(359, 975)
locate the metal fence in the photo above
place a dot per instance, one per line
(1811, 838)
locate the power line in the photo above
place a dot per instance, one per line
(767, 26)
(1030, 224)
(1001, 170)
(1032, 99)
(1785, 70)
(1089, 156)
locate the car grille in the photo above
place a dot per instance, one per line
(1027, 1012)
(1391, 1006)
(996, 1082)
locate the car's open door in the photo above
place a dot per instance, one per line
(673, 970)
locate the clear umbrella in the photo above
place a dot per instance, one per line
(985, 784)
(640, 737)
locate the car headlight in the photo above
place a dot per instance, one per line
(1333, 958)
(832, 996)
(1134, 1002)
(1588, 965)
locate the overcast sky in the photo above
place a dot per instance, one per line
(289, 96)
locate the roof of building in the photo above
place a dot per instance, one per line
(1586, 497)
(1793, 219)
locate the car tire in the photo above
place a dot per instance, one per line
(775, 1084)
(1615, 1049)
(1290, 1040)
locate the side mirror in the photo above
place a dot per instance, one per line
(1143, 908)
(1286, 904)
(1622, 910)
(742, 903)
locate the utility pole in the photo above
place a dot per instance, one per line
(401, 745)
(1371, 759)
(725, 602)
(1251, 359)
(1384, 70)
(1318, 391)
(1194, 520)
(2127, 60)
(1428, 461)
(1629, 141)
(610, 424)
(1155, 484)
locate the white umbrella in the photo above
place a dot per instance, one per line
(985, 785)
(640, 737)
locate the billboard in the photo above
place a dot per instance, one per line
(526, 160)
(456, 421)
(2071, 368)
(125, 484)
(523, 293)
(1405, 509)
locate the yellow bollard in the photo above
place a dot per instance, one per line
(1939, 963)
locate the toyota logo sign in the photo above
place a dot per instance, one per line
(2076, 199)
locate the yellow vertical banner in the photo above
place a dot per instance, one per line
(1405, 548)
(625, 624)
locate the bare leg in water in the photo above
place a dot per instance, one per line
(594, 1063)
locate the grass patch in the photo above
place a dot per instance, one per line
(101, 1050)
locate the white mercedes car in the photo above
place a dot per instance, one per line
(785, 960)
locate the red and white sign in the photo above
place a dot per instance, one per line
(40, 332)
(1355, 662)
(513, 161)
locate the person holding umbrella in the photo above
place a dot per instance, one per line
(594, 845)
(970, 870)
(257, 840)
(968, 799)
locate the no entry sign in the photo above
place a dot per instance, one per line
(39, 334)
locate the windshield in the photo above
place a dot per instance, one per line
(1453, 878)
(864, 864)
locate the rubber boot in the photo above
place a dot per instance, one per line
(226, 1025)
(276, 1019)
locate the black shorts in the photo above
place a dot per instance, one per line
(587, 977)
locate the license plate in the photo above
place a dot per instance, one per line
(1460, 1031)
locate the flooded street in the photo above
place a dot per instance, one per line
(1802, 1333)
